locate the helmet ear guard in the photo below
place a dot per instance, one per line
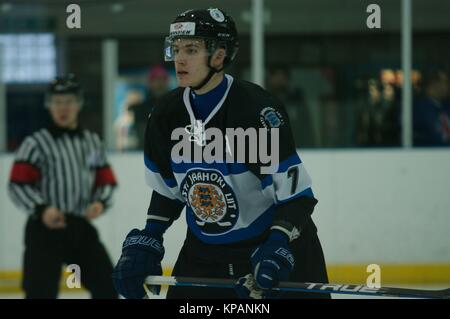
(230, 53)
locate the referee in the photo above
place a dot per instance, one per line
(61, 177)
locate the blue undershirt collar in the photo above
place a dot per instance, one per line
(203, 104)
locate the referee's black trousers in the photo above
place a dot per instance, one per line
(46, 251)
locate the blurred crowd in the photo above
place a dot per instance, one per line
(368, 117)
(379, 120)
(323, 112)
(375, 110)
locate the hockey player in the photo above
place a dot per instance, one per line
(242, 224)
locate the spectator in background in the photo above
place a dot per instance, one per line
(158, 85)
(391, 95)
(279, 84)
(378, 119)
(126, 135)
(370, 119)
(431, 116)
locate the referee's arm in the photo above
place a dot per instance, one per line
(24, 178)
(105, 180)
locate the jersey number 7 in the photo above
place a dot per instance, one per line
(293, 172)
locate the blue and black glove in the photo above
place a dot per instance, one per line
(142, 252)
(272, 262)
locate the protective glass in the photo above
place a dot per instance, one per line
(185, 48)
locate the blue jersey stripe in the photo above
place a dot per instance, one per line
(171, 182)
(284, 166)
(256, 228)
(290, 161)
(224, 168)
(267, 181)
(231, 168)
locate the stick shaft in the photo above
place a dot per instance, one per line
(303, 287)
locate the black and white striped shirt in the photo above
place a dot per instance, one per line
(63, 168)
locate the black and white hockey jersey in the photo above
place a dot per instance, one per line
(226, 201)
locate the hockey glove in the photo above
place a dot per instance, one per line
(272, 262)
(142, 253)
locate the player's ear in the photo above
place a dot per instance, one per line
(218, 58)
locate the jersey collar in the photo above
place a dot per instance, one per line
(187, 102)
(57, 131)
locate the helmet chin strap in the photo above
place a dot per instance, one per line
(211, 73)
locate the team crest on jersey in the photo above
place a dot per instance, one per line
(208, 202)
(211, 199)
(271, 118)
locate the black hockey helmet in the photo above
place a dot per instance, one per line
(213, 25)
(67, 84)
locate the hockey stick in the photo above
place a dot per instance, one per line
(302, 287)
